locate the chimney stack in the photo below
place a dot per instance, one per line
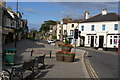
(86, 15)
(104, 11)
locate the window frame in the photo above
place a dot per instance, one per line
(82, 28)
(72, 25)
(115, 27)
(71, 32)
(92, 27)
(103, 27)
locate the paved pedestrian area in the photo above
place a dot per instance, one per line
(53, 68)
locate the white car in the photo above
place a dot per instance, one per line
(51, 41)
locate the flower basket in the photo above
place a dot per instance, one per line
(65, 56)
(68, 58)
(59, 56)
(65, 49)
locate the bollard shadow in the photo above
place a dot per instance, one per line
(76, 59)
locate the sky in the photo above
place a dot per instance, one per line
(38, 12)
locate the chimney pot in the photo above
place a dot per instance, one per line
(86, 14)
(104, 11)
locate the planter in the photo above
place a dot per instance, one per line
(65, 49)
(69, 58)
(59, 57)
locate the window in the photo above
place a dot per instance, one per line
(72, 25)
(92, 28)
(65, 31)
(59, 31)
(115, 40)
(110, 39)
(82, 28)
(88, 39)
(103, 27)
(119, 39)
(96, 40)
(115, 26)
(71, 32)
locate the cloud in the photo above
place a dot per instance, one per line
(63, 0)
(73, 15)
(30, 10)
(91, 6)
(35, 26)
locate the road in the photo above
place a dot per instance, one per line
(104, 63)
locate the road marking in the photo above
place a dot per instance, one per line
(84, 66)
(91, 69)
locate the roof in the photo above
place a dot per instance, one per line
(100, 18)
(76, 20)
(11, 14)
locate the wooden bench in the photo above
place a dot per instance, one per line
(41, 51)
(17, 71)
(38, 60)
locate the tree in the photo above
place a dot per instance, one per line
(32, 32)
(45, 27)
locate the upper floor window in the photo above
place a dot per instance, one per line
(92, 28)
(82, 28)
(115, 26)
(103, 27)
(72, 25)
(59, 31)
(65, 31)
(71, 32)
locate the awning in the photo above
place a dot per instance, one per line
(10, 30)
(4, 30)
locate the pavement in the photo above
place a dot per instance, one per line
(53, 68)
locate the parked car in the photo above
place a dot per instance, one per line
(51, 41)
(57, 40)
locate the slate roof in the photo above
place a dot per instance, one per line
(75, 20)
(100, 18)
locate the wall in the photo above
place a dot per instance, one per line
(98, 31)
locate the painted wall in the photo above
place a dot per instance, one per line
(98, 31)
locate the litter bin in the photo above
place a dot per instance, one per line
(10, 56)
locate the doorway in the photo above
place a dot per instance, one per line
(101, 41)
(92, 41)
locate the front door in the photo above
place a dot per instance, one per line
(101, 41)
(92, 41)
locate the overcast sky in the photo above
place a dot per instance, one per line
(37, 12)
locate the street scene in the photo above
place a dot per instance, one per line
(59, 40)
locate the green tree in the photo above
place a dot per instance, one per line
(32, 33)
(45, 27)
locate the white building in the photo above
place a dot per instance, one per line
(100, 31)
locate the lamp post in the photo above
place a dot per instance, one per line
(16, 24)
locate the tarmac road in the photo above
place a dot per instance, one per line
(104, 63)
